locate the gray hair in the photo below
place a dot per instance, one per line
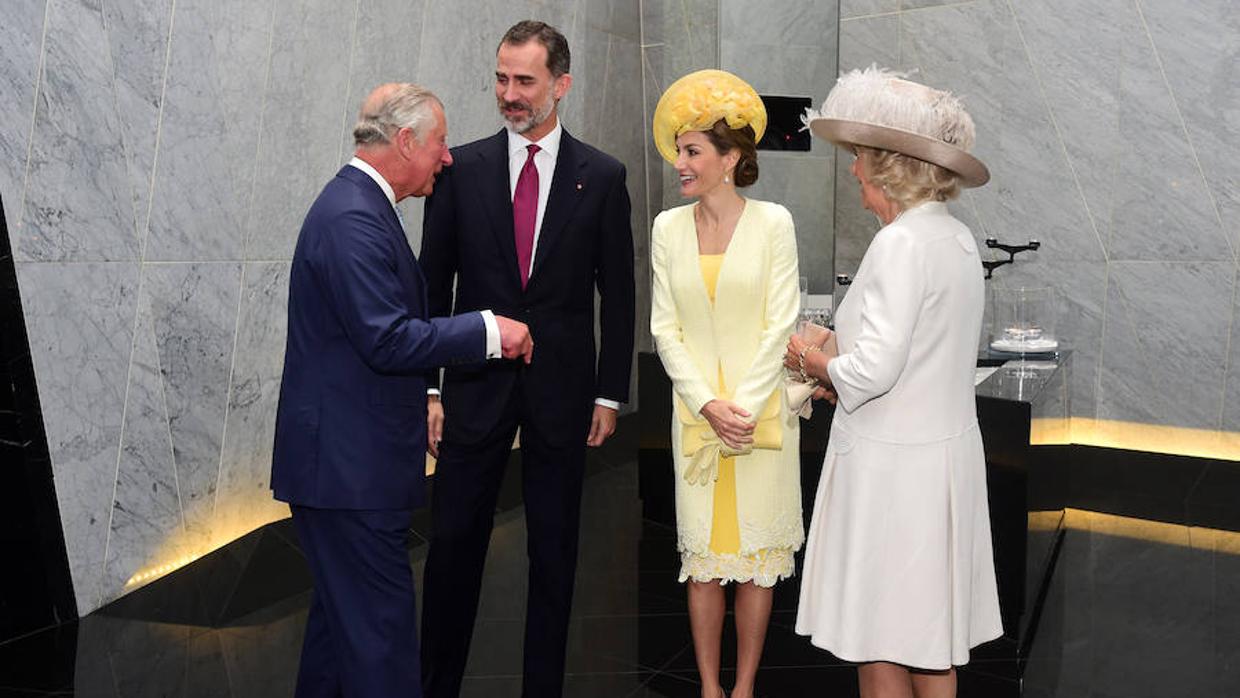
(405, 105)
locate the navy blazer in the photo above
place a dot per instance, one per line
(586, 243)
(351, 424)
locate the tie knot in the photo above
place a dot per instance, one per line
(533, 148)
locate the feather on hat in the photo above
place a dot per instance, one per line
(878, 108)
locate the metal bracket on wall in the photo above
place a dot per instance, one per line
(1012, 250)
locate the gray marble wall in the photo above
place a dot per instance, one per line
(1111, 130)
(158, 159)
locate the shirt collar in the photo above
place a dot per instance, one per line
(374, 174)
(550, 143)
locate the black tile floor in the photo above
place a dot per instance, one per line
(1127, 615)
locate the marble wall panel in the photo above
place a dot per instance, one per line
(243, 501)
(78, 203)
(869, 40)
(1163, 209)
(80, 320)
(146, 526)
(619, 17)
(21, 35)
(653, 13)
(1231, 391)
(386, 43)
(1165, 342)
(690, 37)
(803, 185)
(1081, 89)
(299, 126)
(195, 317)
(976, 51)
(784, 23)
(865, 8)
(1188, 37)
(212, 115)
(584, 109)
(138, 41)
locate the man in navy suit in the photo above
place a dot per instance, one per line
(530, 222)
(351, 425)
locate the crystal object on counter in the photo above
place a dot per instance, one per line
(1023, 321)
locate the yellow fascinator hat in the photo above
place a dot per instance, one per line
(696, 101)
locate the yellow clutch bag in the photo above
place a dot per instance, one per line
(703, 447)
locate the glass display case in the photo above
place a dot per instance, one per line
(1023, 321)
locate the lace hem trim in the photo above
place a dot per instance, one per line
(765, 568)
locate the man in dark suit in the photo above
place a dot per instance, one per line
(351, 424)
(530, 222)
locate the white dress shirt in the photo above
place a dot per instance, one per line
(494, 346)
(544, 162)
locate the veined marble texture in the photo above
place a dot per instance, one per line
(1198, 45)
(194, 309)
(299, 125)
(138, 43)
(780, 23)
(78, 203)
(386, 46)
(21, 35)
(690, 37)
(243, 501)
(80, 319)
(618, 17)
(1165, 342)
(1231, 391)
(147, 526)
(1163, 208)
(209, 131)
(864, 8)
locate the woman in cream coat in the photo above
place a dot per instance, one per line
(725, 298)
(899, 572)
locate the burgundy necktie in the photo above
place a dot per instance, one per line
(525, 213)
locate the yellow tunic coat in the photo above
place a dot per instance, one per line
(743, 334)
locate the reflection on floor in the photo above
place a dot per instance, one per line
(1127, 615)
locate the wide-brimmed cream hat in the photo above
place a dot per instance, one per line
(878, 108)
(698, 100)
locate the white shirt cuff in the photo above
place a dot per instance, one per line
(495, 349)
(433, 391)
(604, 402)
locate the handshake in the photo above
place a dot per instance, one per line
(514, 339)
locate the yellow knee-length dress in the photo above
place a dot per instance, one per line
(723, 562)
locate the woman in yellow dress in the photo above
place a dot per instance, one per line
(725, 300)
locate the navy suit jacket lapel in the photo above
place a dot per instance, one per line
(567, 185)
(497, 198)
